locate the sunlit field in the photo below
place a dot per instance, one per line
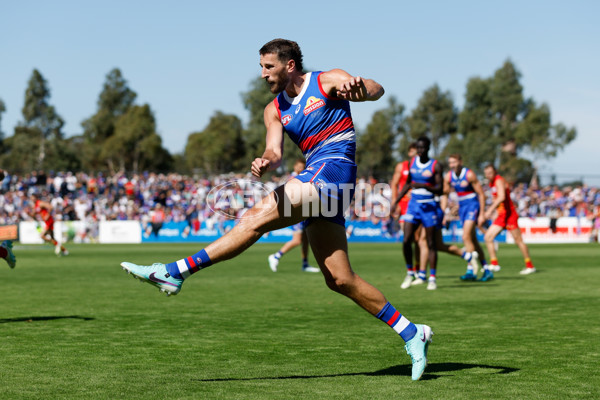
(79, 327)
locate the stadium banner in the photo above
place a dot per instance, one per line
(29, 232)
(356, 231)
(64, 231)
(367, 231)
(561, 230)
(120, 232)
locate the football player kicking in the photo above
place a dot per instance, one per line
(313, 108)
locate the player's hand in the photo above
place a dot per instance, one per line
(260, 166)
(480, 220)
(353, 90)
(487, 214)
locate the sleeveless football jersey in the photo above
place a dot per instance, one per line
(507, 204)
(320, 125)
(422, 173)
(461, 185)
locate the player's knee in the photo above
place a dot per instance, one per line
(466, 237)
(488, 238)
(431, 244)
(340, 284)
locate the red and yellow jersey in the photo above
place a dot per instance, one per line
(41, 210)
(404, 170)
(507, 204)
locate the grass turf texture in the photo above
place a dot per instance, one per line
(79, 327)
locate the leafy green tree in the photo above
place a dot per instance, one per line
(115, 100)
(476, 141)
(376, 146)
(499, 125)
(135, 145)
(38, 141)
(435, 117)
(219, 148)
(2, 110)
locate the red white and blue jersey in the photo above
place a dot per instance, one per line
(320, 125)
(461, 185)
(422, 173)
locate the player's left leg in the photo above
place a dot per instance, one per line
(469, 254)
(529, 268)
(330, 248)
(491, 233)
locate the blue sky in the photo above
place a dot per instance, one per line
(188, 59)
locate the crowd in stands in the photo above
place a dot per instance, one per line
(157, 198)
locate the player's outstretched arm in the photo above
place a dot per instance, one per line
(271, 158)
(339, 83)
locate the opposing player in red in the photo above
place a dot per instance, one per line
(313, 109)
(506, 218)
(43, 210)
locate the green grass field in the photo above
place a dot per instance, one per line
(79, 327)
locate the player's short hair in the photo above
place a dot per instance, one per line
(412, 146)
(490, 166)
(285, 49)
(455, 156)
(425, 140)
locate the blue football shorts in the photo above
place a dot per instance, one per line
(335, 180)
(426, 213)
(468, 210)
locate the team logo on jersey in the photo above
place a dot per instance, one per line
(286, 119)
(464, 184)
(312, 104)
(320, 183)
(427, 174)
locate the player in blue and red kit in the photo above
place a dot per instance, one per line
(314, 110)
(471, 202)
(425, 179)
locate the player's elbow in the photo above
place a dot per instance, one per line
(378, 92)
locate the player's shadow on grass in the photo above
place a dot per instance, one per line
(48, 318)
(397, 370)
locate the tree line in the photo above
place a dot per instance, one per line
(497, 125)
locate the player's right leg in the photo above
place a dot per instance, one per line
(7, 254)
(421, 244)
(285, 206)
(529, 268)
(330, 247)
(407, 243)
